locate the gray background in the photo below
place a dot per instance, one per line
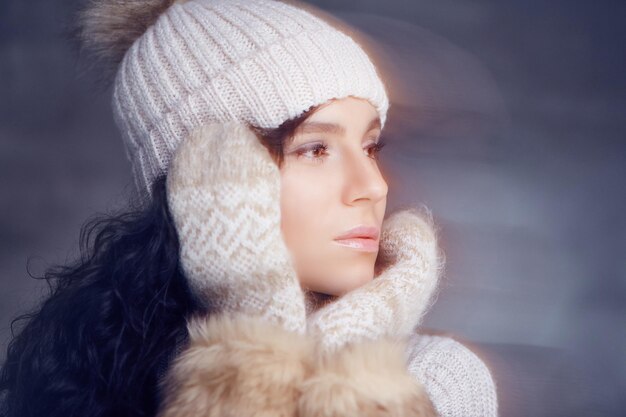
(507, 120)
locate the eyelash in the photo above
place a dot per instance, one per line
(375, 147)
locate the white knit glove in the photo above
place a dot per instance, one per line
(223, 191)
(394, 302)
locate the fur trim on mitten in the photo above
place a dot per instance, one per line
(366, 380)
(237, 366)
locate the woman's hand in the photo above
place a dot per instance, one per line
(224, 195)
(394, 302)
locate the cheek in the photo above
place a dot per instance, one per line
(309, 204)
(304, 201)
(310, 209)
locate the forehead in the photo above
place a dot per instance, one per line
(339, 115)
(333, 128)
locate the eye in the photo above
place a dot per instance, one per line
(375, 148)
(315, 151)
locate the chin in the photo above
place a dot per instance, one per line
(349, 283)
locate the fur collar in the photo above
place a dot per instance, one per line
(238, 365)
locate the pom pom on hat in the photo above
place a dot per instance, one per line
(108, 28)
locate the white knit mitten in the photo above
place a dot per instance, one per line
(223, 191)
(394, 302)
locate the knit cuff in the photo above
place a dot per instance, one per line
(456, 379)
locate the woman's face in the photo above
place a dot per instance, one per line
(331, 183)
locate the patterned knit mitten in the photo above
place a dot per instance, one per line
(224, 196)
(394, 302)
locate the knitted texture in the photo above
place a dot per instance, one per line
(256, 61)
(224, 195)
(457, 381)
(394, 303)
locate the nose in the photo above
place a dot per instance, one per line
(363, 180)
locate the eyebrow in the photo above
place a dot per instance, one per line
(333, 128)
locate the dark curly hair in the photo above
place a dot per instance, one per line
(112, 316)
(101, 341)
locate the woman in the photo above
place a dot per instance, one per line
(245, 284)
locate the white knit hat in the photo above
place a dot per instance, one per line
(256, 61)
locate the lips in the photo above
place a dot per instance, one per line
(362, 232)
(361, 238)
